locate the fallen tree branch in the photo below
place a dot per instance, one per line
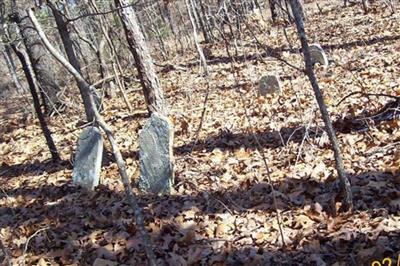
(367, 95)
(115, 149)
(27, 243)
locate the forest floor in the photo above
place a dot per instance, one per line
(221, 210)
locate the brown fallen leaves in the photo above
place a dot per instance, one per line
(221, 212)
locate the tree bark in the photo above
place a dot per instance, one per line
(345, 184)
(150, 84)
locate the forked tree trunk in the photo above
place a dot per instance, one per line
(137, 45)
(206, 21)
(345, 184)
(166, 10)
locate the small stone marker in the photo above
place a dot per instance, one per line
(88, 158)
(318, 55)
(269, 84)
(155, 155)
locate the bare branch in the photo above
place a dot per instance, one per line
(344, 181)
(27, 243)
(101, 13)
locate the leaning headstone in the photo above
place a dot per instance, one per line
(155, 155)
(269, 84)
(88, 158)
(318, 55)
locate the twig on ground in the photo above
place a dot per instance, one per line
(223, 204)
(27, 243)
(366, 95)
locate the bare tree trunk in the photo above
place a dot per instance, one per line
(26, 65)
(84, 32)
(151, 86)
(345, 184)
(11, 68)
(67, 43)
(196, 39)
(108, 90)
(117, 154)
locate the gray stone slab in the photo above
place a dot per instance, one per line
(156, 156)
(318, 55)
(269, 84)
(88, 158)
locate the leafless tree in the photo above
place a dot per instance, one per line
(345, 184)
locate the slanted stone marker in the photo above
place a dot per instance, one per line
(318, 55)
(269, 84)
(155, 155)
(88, 158)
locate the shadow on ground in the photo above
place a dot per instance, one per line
(84, 226)
(35, 168)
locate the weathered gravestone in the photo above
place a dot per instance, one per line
(155, 155)
(269, 84)
(88, 158)
(318, 55)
